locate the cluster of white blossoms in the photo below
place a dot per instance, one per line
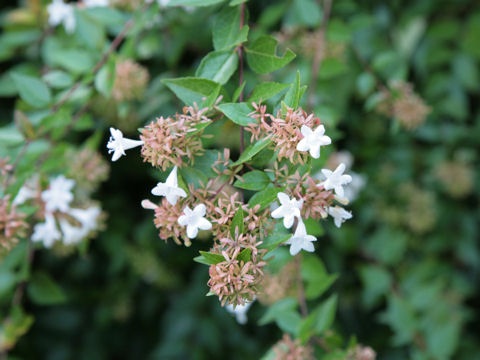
(60, 12)
(56, 227)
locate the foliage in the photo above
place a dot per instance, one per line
(396, 87)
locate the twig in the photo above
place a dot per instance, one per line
(319, 54)
(113, 46)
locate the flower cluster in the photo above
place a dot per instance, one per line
(12, 225)
(88, 168)
(293, 134)
(168, 141)
(236, 279)
(360, 352)
(456, 177)
(236, 257)
(61, 222)
(287, 349)
(278, 286)
(400, 102)
(131, 79)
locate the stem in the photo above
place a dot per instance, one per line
(319, 54)
(113, 46)
(301, 291)
(240, 73)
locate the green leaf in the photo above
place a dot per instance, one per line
(74, 60)
(304, 12)
(237, 92)
(365, 83)
(218, 66)
(226, 29)
(262, 58)
(316, 278)
(266, 90)
(194, 2)
(42, 290)
(10, 136)
(105, 79)
(58, 79)
(191, 90)
(237, 2)
(264, 197)
(289, 322)
(32, 90)
(251, 151)
(245, 255)
(325, 314)
(331, 68)
(294, 94)
(254, 180)
(284, 305)
(237, 224)
(212, 258)
(376, 282)
(273, 240)
(107, 16)
(201, 259)
(238, 113)
(88, 31)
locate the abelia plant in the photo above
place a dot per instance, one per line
(228, 129)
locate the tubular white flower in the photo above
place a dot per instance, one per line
(88, 218)
(170, 188)
(59, 195)
(46, 232)
(288, 209)
(118, 144)
(72, 234)
(60, 12)
(301, 240)
(194, 220)
(335, 179)
(312, 140)
(24, 194)
(240, 311)
(339, 215)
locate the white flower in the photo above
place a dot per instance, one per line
(87, 217)
(59, 195)
(353, 189)
(72, 234)
(25, 193)
(170, 188)
(147, 204)
(118, 144)
(96, 3)
(240, 311)
(194, 220)
(60, 12)
(336, 179)
(288, 209)
(301, 240)
(339, 215)
(312, 140)
(46, 232)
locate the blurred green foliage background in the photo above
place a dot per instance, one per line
(408, 261)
